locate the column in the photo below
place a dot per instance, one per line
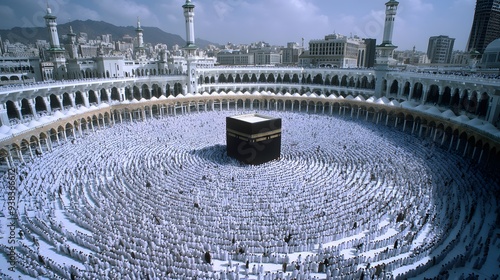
(57, 138)
(8, 162)
(40, 146)
(20, 155)
(4, 118)
(47, 104)
(33, 108)
(441, 93)
(10, 156)
(425, 94)
(477, 103)
(121, 92)
(80, 129)
(47, 144)
(85, 95)
(31, 151)
(18, 109)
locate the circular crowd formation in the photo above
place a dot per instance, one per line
(161, 199)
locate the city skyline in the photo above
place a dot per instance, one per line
(242, 22)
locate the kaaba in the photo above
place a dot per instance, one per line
(254, 138)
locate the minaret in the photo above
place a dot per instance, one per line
(189, 15)
(190, 48)
(139, 51)
(50, 21)
(385, 50)
(73, 53)
(140, 39)
(55, 51)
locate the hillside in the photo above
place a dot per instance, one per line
(153, 35)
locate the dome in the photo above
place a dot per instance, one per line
(493, 47)
(491, 55)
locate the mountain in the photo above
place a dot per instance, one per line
(153, 35)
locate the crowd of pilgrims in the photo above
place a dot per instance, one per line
(160, 199)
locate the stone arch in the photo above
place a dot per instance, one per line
(483, 105)
(446, 99)
(67, 100)
(418, 91)
(262, 78)
(128, 94)
(68, 128)
(364, 82)
(26, 108)
(472, 102)
(92, 97)
(136, 93)
(455, 98)
(344, 82)
(12, 111)
(40, 104)
(146, 94)
(177, 89)
(230, 78)
(104, 95)
(168, 90)
(222, 79)
(271, 78)
(406, 90)
(328, 80)
(394, 87)
(79, 100)
(318, 79)
(433, 94)
(156, 91)
(351, 82)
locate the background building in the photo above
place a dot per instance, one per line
(335, 51)
(486, 25)
(440, 49)
(229, 57)
(370, 53)
(291, 54)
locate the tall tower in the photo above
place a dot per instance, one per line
(189, 15)
(73, 47)
(440, 49)
(190, 48)
(139, 50)
(486, 25)
(385, 50)
(57, 53)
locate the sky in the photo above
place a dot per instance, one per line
(273, 21)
